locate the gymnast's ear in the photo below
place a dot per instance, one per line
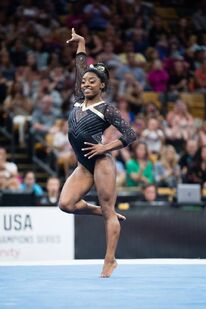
(102, 86)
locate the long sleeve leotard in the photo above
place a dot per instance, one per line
(87, 124)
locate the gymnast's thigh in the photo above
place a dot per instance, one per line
(76, 185)
(105, 180)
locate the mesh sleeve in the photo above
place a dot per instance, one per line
(81, 66)
(112, 116)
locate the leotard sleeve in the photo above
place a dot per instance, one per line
(81, 66)
(112, 116)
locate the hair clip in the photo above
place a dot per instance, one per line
(100, 68)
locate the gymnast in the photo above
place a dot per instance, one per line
(88, 119)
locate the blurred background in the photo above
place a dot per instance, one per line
(156, 55)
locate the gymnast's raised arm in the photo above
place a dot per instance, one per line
(81, 63)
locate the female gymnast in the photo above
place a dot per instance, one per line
(88, 119)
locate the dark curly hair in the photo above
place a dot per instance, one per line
(101, 71)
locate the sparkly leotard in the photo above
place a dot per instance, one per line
(87, 124)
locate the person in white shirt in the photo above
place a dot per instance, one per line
(153, 136)
(10, 168)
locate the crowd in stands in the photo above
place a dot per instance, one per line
(145, 54)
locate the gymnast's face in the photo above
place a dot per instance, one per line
(91, 85)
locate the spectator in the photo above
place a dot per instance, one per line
(44, 117)
(51, 198)
(202, 134)
(62, 148)
(178, 77)
(13, 184)
(200, 77)
(19, 109)
(167, 170)
(139, 125)
(133, 68)
(41, 54)
(199, 17)
(182, 30)
(151, 55)
(158, 77)
(132, 91)
(29, 184)
(127, 49)
(151, 111)
(149, 193)
(97, 15)
(93, 43)
(112, 91)
(181, 123)
(139, 169)
(108, 56)
(140, 41)
(3, 90)
(18, 53)
(47, 87)
(153, 136)
(125, 110)
(3, 180)
(197, 173)
(10, 168)
(156, 30)
(188, 158)
(6, 68)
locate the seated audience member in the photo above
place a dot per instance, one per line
(19, 108)
(97, 15)
(53, 191)
(3, 180)
(62, 148)
(13, 184)
(125, 110)
(44, 117)
(132, 92)
(197, 173)
(10, 168)
(29, 184)
(167, 170)
(120, 170)
(151, 111)
(158, 77)
(47, 85)
(181, 123)
(200, 77)
(158, 28)
(188, 158)
(108, 56)
(139, 169)
(202, 134)
(149, 193)
(199, 17)
(153, 136)
(139, 125)
(179, 77)
(132, 67)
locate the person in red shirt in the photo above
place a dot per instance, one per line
(200, 77)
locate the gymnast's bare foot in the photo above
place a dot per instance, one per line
(121, 217)
(108, 268)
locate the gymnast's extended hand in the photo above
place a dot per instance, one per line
(75, 37)
(93, 149)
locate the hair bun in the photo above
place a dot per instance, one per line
(101, 68)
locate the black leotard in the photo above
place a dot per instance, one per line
(87, 124)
